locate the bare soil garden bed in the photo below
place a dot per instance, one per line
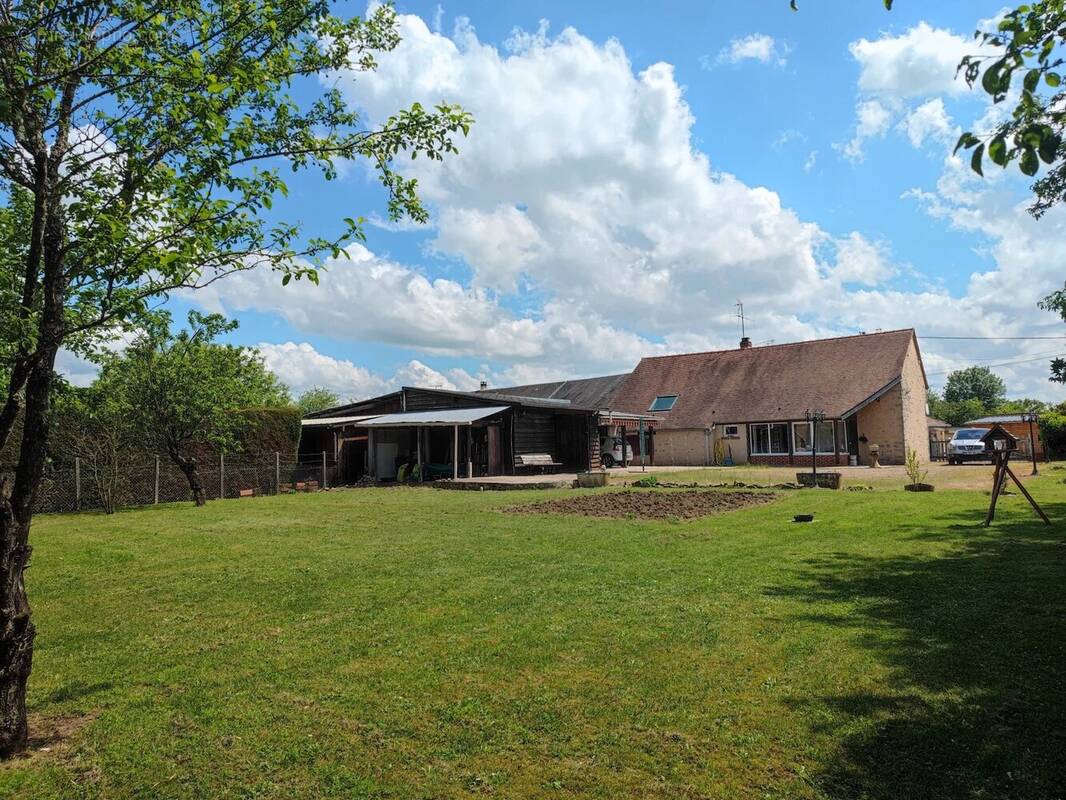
(648, 505)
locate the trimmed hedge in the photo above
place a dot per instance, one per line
(269, 430)
(1053, 432)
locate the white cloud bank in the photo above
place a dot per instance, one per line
(581, 196)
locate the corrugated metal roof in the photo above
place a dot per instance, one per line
(592, 393)
(321, 421)
(997, 418)
(444, 416)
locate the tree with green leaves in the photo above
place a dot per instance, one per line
(96, 429)
(144, 141)
(955, 412)
(1056, 301)
(179, 392)
(975, 383)
(315, 399)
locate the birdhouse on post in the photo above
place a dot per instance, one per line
(999, 440)
(1000, 443)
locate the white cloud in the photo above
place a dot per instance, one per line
(862, 261)
(753, 47)
(300, 366)
(366, 298)
(930, 121)
(873, 118)
(920, 62)
(811, 162)
(615, 199)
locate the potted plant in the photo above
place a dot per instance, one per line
(916, 474)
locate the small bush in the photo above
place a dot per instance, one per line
(915, 473)
(647, 482)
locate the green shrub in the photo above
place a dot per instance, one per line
(1053, 433)
(647, 482)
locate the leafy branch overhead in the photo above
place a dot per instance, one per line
(1027, 44)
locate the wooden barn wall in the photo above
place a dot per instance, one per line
(418, 400)
(391, 405)
(534, 432)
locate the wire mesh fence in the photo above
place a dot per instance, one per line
(87, 485)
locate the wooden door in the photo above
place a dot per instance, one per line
(493, 432)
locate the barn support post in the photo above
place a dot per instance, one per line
(469, 451)
(371, 460)
(156, 500)
(277, 472)
(323, 484)
(221, 476)
(455, 454)
(418, 451)
(77, 483)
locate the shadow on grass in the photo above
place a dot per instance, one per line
(975, 645)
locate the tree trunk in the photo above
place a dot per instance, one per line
(192, 474)
(16, 512)
(16, 629)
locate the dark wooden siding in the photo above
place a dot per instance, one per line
(534, 432)
(419, 400)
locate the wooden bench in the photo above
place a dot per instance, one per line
(541, 461)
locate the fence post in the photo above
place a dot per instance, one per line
(277, 472)
(323, 469)
(157, 480)
(77, 483)
(221, 476)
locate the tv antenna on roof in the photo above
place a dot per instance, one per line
(740, 314)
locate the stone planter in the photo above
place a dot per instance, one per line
(826, 480)
(919, 487)
(592, 480)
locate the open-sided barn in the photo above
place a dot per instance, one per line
(453, 434)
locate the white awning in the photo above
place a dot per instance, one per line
(319, 421)
(444, 416)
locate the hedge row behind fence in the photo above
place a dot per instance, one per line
(75, 487)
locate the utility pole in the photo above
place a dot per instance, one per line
(1030, 417)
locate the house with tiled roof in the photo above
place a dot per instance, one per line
(750, 404)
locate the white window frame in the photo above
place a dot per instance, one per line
(769, 439)
(731, 432)
(806, 452)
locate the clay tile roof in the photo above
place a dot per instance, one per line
(766, 384)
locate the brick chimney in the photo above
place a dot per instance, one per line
(484, 385)
(745, 343)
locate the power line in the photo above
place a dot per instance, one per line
(1007, 363)
(994, 338)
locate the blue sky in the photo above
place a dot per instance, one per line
(633, 171)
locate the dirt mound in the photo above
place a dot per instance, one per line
(648, 505)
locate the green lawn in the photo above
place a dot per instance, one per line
(418, 643)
